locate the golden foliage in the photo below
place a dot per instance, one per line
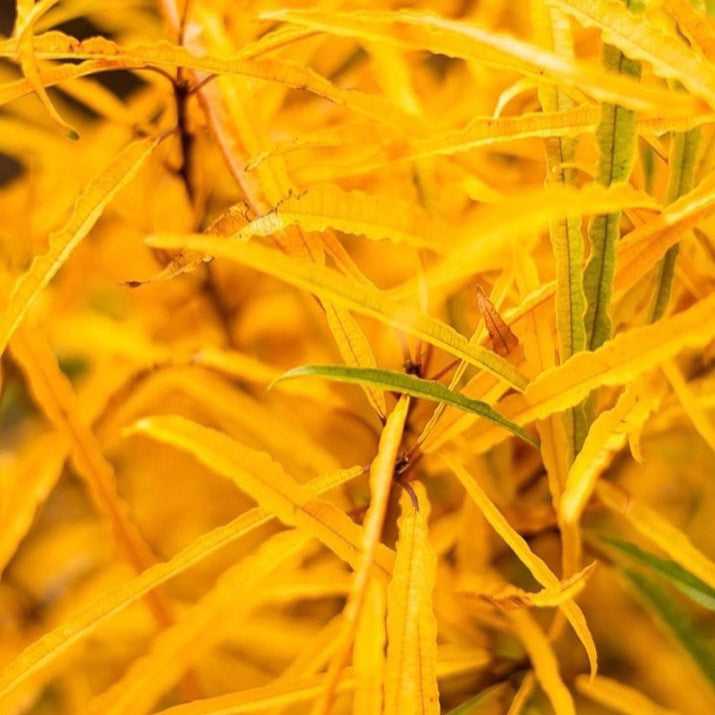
(496, 219)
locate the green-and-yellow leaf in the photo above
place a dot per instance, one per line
(329, 285)
(408, 385)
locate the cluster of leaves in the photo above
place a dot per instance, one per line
(496, 219)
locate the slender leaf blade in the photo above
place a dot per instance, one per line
(409, 385)
(679, 577)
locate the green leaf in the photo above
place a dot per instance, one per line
(616, 137)
(408, 385)
(683, 153)
(683, 580)
(675, 620)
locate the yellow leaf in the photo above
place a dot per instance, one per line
(455, 38)
(229, 222)
(56, 45)
(505, 596)
(329, 285)
(693, 24)
(592, 458)
(24, 26)
(46, 650)
(326, 206)
(382, 471)
(54, 394)
(87, 210)
(369, 652)
(266, 481)
(539, 570)
(410, 667)
(639, 40)
(175, 648)
(281, 693)
(543, 660)
(661, 532)
(616, 362)
(355, 349)
(25, 485)
(523, 213)
(641, 249)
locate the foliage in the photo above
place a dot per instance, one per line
(357, 358)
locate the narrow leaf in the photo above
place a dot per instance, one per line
(690, 585)
(381, 479)
(455, 38)
(409, 385)
(503, 339)
(638, 39)
(662, 533)
(614, 363)
(538, 569)
(369, 652)
(616, 137)
(326, 206)
(329, 285)
(675, 620)
(410, 668)
(267, 482)
(86, 212)
(695, 412)
(51, 646)
(593, 456)
(681, 162)
(543, 660)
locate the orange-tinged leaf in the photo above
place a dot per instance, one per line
(539, 570)
(24, 26)
(505, 596)
(26, 484)
(54, 394)
(86, 212)
(56, 45)
(410, 667)
(229, 222)
(503, 338)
